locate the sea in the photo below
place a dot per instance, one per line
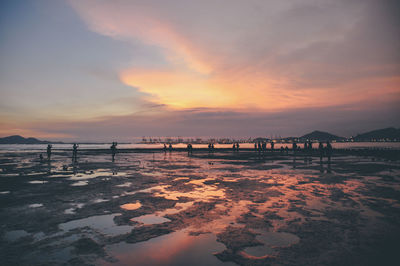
(336, 145)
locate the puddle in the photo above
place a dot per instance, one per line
(131, 206)
(150, 219)
(180, 206)
(257, 252)
(35, 205)
(277, 239)
(79, 184)
(204, 192)
(37, 182)
(127, 184)
(70, 211)
(100, 200)
(15, 235)
(4, 192)
(270, 240)
(91, 175)
(177, 248)
(101, 223)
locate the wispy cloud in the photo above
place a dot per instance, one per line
(264, 54)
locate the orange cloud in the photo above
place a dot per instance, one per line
(254, 64)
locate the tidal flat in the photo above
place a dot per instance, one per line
(220, 208)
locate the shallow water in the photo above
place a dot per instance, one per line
(209, 209)
(101, 223)
(177, 248)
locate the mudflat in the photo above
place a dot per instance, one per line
(220, 208)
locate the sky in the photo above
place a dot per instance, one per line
(97, 70)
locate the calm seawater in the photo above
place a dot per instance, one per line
(339, 145)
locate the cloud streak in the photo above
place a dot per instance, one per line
(264, 54)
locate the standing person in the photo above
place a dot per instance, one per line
(75, 152)
(189, 149)
(165, 147)
(272, 146)
(328, 150)
(237, 146)
(170, 147)
(113, 150)
(49, 151)
(310, 150)
(294, 146)
(321, 150)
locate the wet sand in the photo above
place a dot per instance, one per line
(225, 208)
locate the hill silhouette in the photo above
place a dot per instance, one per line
(16, 139)
(390, 133)
(320, 135)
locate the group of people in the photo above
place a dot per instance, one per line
(169, 147)
(261, 146)
(49, 152)
(325, 151)
(210, 147)
(75, 152)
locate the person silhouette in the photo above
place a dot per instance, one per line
(170, 147)
(113, 150)
(328, 150)
(272, 146)
(165, 147)
(321, 150)
(190, 149)
(49, 151)
(75, 152)
(294, 147)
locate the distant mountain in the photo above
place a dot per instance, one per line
(322, 136)
(389, 133)
(16, 139)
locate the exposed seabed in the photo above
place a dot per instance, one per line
(211, 208)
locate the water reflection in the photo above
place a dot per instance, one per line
(178, 248)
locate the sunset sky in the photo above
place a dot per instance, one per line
(103, 70)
